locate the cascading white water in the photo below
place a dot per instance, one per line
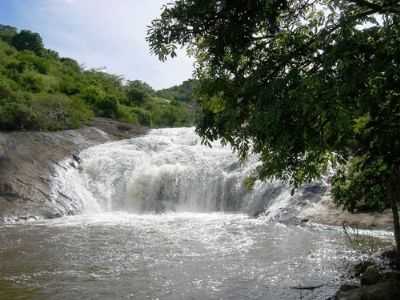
(104, 254)
(165, 170)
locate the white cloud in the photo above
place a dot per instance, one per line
(103, 33)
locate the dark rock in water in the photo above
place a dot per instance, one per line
(392, 257)
(313, 189)
(377, 282)
(76, 158)
(53, 216)
(348, 287)
(386, 290)
(362, 266)
(392, 275)
(307, 287)
(74, 164)
(311, 192)
(370, 276)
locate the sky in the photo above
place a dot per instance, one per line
(100, 33)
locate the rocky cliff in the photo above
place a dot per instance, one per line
(27, 161)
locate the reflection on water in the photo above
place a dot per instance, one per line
(168, 256)
(9, 290)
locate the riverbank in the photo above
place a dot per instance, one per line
(326, 212)
(377, 278)
(27, 161)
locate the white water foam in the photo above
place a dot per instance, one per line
(165, 170)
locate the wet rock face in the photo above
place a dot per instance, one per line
(27, 161)
(386, 290)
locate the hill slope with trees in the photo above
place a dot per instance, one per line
(39, 90)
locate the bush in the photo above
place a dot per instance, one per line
(106, 107)
(169, 115)
(125, 114)
(7, 33)
(70, 65)
(143, 116)
(57, 112)
(134, 115)
(43, 112)
(33, 62)
(33, 82)
(16, 115)
(7, 88)
(135, 96)
(70, 85)
(28, 40)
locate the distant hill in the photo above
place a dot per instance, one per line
(182, 92)
(39, 90)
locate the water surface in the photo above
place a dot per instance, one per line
(168, 256)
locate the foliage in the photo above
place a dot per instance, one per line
(43, 112)
(41, 91)
(143, 116)
(363, 242)
(183, 92)
(135, 95)
(28, 40)
(7, 33)
(141, 86)
(305, 84)
(361, 187)
(166, 113)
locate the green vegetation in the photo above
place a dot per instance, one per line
(41, 91)
(182, 93)
(305, 84)
(364, 242)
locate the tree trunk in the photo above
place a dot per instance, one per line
(394, 195)
(396, 224)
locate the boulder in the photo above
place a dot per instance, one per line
(385, 290)
(370, 276)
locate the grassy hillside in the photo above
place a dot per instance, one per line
(39, 90)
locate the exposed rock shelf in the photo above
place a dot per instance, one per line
(27, 161)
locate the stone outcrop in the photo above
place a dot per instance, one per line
(379, 279)
(27, 161)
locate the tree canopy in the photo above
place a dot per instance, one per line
(305, 84)
(183, 92)
(28, 40)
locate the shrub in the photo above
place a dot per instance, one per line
(43, 112)
(125, 114)
(28, 40)
(33, 82)
(169, 115)
(143, 116)
(134, 115)
(7, 87)
(57, 112)
(106, 107)
(135, 96)
(16, 114)
(33, 62)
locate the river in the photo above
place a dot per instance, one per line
(164, 217)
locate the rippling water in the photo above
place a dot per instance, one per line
(167, 256)
(193, 250)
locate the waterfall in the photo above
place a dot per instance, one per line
(166, 170)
